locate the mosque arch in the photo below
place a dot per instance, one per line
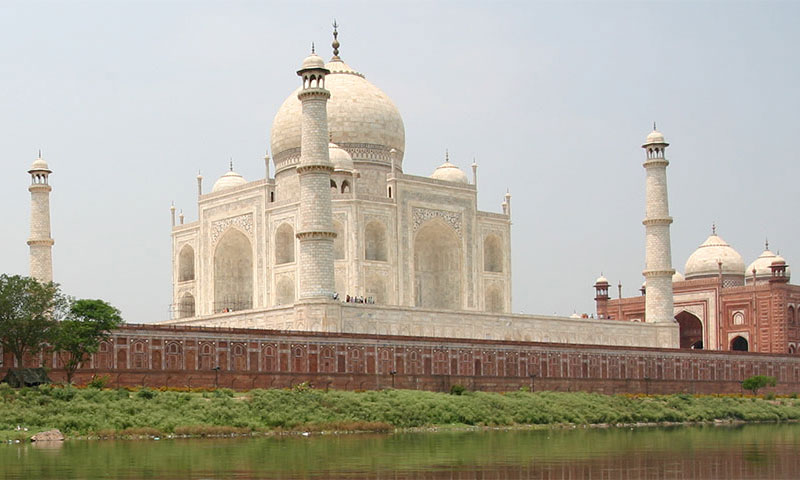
(376, 288)
(334, 188)
(186, 264)
(345, 186)
(790, 315)
(284, 244)
(338, 242)
(739, 344)
(492, 254)
(494, 300)
(285, 291)
(375, 241)
(186, 306)
(690, 330)
(437, 266)
(233, 272)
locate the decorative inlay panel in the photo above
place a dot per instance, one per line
(244, 222)
(422, 215)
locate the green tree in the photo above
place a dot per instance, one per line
(29, 311)
(88, 323)
(757, 382)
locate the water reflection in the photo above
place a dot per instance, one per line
(753, 451)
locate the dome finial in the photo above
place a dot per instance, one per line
(714, 228)
(447, 155)
(335, 43)
(40, 153)
(766, 244)
(312, 48)
(231, 164)
(654, 126)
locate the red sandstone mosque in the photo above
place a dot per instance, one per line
(720, 304)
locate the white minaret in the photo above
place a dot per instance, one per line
(658, 253)
(41, 245)
(315, 232)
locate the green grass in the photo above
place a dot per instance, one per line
(146, 412)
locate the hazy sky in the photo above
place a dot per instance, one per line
(128, 100)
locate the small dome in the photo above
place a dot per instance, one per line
(341, 160)
(601, 279)
(677, 277)
(40, 164)
(229, 180)
(313, 61)
(450, 173)
(761, 266)
(703, 262)
(655, 137)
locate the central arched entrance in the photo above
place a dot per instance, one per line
(233, 273)
(437, 266)
(739, 344)
(691, 330)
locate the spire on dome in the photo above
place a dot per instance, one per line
(766, 244)
(312, 49)
(335, 43)
(231, 165)
(713, 228)
(447, 155)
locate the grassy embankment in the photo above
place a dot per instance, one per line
(93, 412)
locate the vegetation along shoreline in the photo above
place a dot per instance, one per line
(97, 412)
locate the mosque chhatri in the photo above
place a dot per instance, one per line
(341, 240)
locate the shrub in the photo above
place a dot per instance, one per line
(223, 392)
(457, 389)
(757, 382)
(99, 382)
(146, 394)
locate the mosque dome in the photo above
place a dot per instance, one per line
(361, 119)
(449, 173)
(229, 180)
(703, 262)
(341, 160)
(677, 277)
(761, 265)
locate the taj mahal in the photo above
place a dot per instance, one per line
(338, 238)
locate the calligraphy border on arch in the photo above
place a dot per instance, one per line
(244, 222)
(422, 215)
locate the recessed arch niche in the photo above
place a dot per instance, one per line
(437, 266)
(233, 272)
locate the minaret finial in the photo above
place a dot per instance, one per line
(654, 126)
(335, 43)
(40, 153)
(714, 228)
(231, 164)
(766, 244)
(312, 48)
(447, 155)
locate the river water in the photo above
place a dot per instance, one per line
(707, 452)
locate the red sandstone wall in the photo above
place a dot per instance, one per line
(185, 357)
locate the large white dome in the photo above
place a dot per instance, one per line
(703, 262)
(361, 119)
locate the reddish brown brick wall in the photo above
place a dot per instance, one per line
(160, 356)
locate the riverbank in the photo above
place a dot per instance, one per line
(115, 413)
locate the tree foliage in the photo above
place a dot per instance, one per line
(88, 323)
(29, 312)
(757, 382)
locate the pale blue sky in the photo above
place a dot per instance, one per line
(128, 100)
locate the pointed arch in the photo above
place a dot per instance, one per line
(690, 330)
(345, 186)
(186, 264)
(284, 244)
(375, 241)
(233, 272)
(187, 306)
(492, 253)
(338, 242)
(494, 300)
(739, 344)
(437, 266)
(284, 291)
